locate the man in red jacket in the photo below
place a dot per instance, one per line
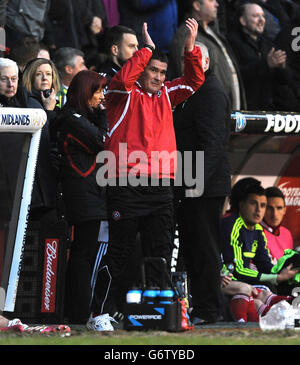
(141, 139)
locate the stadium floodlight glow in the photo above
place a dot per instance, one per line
(28, 123)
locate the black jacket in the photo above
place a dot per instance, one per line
(266, 89)
(79, 141)
(202, 123)
(218, 62)
(44, 194)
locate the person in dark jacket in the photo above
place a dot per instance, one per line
(12, 95)
(202, 124)
(77, 24)
(264, 70)
(120, 45)
(80, 137)
(26, 18)
(40, 75)
(222, 58)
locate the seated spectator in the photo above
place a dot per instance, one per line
(68, 61)
(264, 70)
(244, 241)
(223, 62)
(278, 237)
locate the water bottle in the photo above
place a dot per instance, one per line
(150, 295)
(166, 296)
(134, 295)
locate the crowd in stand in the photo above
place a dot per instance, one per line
(64, 56)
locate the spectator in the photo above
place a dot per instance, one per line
(278, 237)
(200, 212)
(276, 16)
(9, 78)
(138, 95)
(44, 52)
(244, 241)
(40, 75)
(26, 18)
(26, 50)
(160, 15)
(69, 61)
(12, 95)
(80, 137)
(77, 24)
(120, 45)
(266, 78)
(223, 62)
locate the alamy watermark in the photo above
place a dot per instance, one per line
(138, 169)
(2, 39)
(296, 41)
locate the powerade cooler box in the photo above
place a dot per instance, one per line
(159, 308)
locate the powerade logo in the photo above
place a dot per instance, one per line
(135, 318)
(240, 122)
(15, 119)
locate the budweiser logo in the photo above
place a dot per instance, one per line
(49, 279)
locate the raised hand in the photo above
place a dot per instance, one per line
(146, 36)
(192, 26)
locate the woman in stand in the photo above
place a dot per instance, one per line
(81, 131)
(41, 80)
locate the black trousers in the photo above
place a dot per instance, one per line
(79, 271)
(156, 232)
(199, 226)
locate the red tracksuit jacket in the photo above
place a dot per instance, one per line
(144, 121)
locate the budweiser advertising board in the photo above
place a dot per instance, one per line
(50, 275)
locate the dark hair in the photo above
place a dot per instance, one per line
(274, 192)
(114, 35)
(159, 55)
(83, 85)
(242, 189)
(24, 50)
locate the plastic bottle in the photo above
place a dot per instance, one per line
(134, 295)
(166, 296)
(150, 295)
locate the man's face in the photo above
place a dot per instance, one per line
(275, 212)
(253, 20)
(128, 47)
(253, 209)
(8, 82)
(153, 76)
(79, 65)
(209, 10)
